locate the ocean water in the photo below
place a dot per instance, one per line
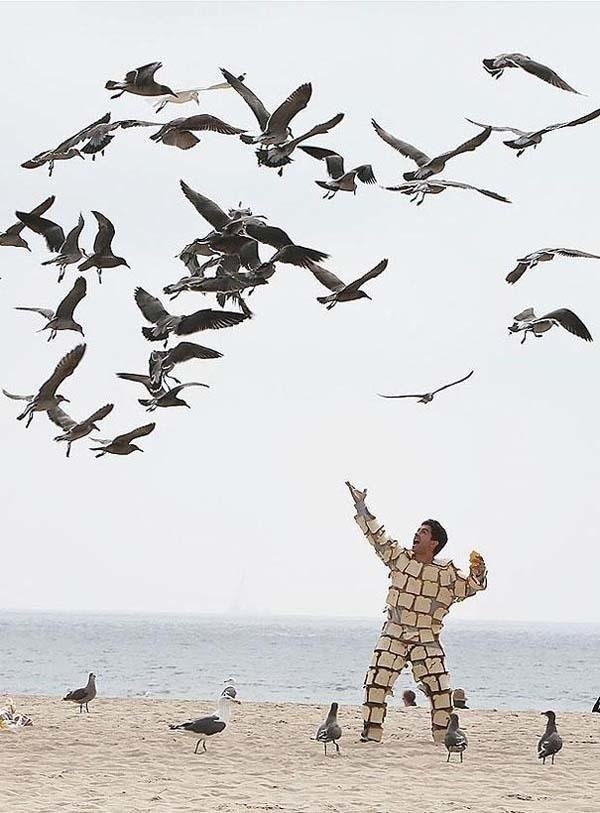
(310, 660)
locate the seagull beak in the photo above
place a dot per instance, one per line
(67, 400)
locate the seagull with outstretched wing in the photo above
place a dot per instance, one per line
(496, 66)
(427, 397)
(341, 291)
(340, 181)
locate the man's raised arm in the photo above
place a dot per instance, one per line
(467, 586)
(385, 547)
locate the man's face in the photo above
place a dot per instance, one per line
(423, 544)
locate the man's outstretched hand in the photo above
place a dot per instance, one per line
(359, 501)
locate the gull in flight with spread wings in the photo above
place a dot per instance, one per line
(427, 397)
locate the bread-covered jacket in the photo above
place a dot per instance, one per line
(420, 595)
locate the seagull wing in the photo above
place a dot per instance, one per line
(82, 134)
(211, 724)
(104, 237)
(204, 121)
(72, 299)
(50, 231)
(333, 161)
(489, 194)
(150, 306)
(45, 312)
(527, 315)
(365, 174)
(326, 278)
(298, 255)
(18, 227)
(542, 72)
(517, 273)
(71, 244)
(295, 102)
(374, 272)
(573, 252)
(498, 129)
(138, 378)
(570, 321)
(60, 418)
(459, 381)
(185, 351)
(99, 414)
(319, 129)
(14, 397)
(270, 235)
(183, 139)
(65, 367)
(139, 432)
(251, 99)
(144, 74)
(468, 146)
(208, 319)
(422, 395)
(176, 390)
(205, 207)
(405, 149)
(581, 120)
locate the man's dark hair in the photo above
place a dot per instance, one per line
(438, 534)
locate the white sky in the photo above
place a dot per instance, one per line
(239, 505)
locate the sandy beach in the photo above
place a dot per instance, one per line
(122, 757)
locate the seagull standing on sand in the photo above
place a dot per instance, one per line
(455, 738)
(550, 742)
(74, 430)
(340, 181)
(427, 397)
(69, 252)
(102, 256)
(527, 322)
(47, 398)
(203, 728)
(122, 444)
(140, 82)
(496, 66)
(429, 166)
(544, 255)
(83, 696)
(342, 292)
(62, 317)
(12, 235)
(330, 730)
(525, 139)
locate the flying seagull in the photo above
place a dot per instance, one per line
(47, 398)
(83, 696)
(169, 398)
(52, 233)
(528, 322)
(99, 137)
(279, 155)
(429, 166)
(525, 139)
(162, 362)
(178, 133)
(165, 324)
(140, 82)
(496, 65)
(287, 251)
(550, 742)
(427, 397)
(340, 181)
(74, 430)
(544, 255)
(212, 212)
(341, 291)
(62, 317)
(66, 149)
(275, 127)
(213, 724)
(417, 190)
(12, 235)
(330, 730)
(192, 95)
(122, 444)
(69, 252)
(102, 256)
(455, 738)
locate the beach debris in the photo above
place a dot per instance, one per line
(544, 255)
(455, 738)
(47, 398)
(85, 695)
(62, 317)
(10, 720)
(429, 166)
(202, 728)
(330, 730)
(550, 742)
(427, 397)
(341, 291)
(527, 322)
(497, 65)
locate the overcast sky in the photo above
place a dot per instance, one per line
(239, 504)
